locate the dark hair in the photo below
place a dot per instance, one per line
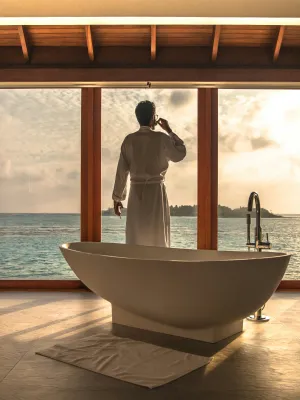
(144, 112)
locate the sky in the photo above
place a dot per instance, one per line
(259, 146)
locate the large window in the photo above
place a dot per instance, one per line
(179, 107)
(259, 150)
(39, 181)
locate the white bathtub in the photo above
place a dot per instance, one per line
(198, 294)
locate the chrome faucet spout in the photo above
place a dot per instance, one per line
(255, 196)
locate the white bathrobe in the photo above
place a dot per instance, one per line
(145, 155)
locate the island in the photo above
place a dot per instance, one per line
(191, 211)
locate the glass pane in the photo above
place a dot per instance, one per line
(179, 107)
(39, 181)
(259, 150)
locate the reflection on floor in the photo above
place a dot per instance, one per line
(262, 363)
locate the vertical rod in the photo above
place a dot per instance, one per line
(214, 167)
(97, 222)
(91, 164)
(84, 165)
(207, 193)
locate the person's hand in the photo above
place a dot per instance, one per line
(164, 124)
(117, 207)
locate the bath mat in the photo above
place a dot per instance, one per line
(128, 360)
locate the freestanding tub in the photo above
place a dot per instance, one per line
(197, 294)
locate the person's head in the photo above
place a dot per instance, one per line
(145, 113)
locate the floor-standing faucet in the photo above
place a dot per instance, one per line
(258, 245)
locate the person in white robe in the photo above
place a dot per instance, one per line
(145, 156)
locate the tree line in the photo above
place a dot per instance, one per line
(191, 211)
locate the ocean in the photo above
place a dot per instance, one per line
(29, 242)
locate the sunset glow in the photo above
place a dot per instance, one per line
(259, 146)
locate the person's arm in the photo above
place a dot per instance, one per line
(174, 146)
(120, 187)
(177, 140)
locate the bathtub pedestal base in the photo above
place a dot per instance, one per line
(209, 335)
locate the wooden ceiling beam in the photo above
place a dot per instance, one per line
(24, 42)
(216, 41)
(278, 43)
(153, 42)
(241, 77)
(122, 56)
(89, 42)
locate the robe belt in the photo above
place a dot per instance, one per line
(147, 181)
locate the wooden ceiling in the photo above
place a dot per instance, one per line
(126, 35)
(30, 38)
(270, 49)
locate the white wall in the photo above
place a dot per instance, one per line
(155, 8)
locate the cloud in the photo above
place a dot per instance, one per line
(179, 98)
(9, 173)
(5, 167)
(234, 142)
(261, 142)
(241, 128)
(74, 175)
(227, 142)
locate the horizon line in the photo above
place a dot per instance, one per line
(78, 212)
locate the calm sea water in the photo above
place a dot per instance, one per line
(29, 242)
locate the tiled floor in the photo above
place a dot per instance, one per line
(262, 363)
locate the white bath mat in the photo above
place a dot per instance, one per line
(125, 359)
